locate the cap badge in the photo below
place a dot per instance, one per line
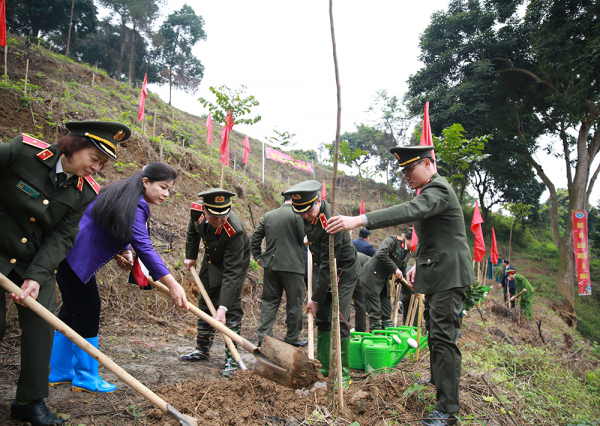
(120, 135)
(297, 197)
(219, 199)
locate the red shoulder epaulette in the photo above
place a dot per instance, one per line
(229, 229)
(197, 207)
(218, 231)
(80, 184)
(30, 140)
(323, 220)
(45, 154)
(93, 184)
(399, 238)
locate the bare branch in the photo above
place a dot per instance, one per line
(512, 68)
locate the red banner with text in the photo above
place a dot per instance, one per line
(280, 157)
(580, 244)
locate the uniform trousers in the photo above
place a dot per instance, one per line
(379, 305)
(323, 318)
(274, 284)
(36, 342)
(81, 302)
(360, 308)
(441, 313)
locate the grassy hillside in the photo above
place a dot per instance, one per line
(514, 372)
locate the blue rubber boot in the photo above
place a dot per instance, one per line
(61, 360)
(86, 377)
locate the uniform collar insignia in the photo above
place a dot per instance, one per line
(45, 154)
(428, 180)
(201, 218)
(80, 184)
(314, 222)
(218, 231)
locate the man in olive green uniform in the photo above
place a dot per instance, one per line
(522, 285)
(283, 270)
(390, 260)
(358, 297)
(40, 212)
(223, 270)
(315, 212)
(443, 268)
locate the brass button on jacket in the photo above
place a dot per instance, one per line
(32, 219)
(23, 240)
(13, 260)
(46, 202)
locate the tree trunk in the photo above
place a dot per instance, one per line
(123, 39)
(131, 57)
(170, 83)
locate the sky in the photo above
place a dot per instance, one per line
(281, 50)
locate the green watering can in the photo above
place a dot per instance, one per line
(356, 350)
(404, 332)
(379, 352)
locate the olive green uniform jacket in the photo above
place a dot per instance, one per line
(226, 256)
(522, 283)
(392, 254)
(348, 269)
(283, 269)
(39, 226)
(443, 258)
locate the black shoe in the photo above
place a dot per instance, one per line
(197, 355)
(300, 343)
(439, 418)
(35, 413)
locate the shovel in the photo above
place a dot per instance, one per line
(275, 360)
(211, 307)
(51, 319)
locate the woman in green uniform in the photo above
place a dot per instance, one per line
(46, 191)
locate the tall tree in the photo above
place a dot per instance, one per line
(175, 39)
(518, 78)
(30, 17)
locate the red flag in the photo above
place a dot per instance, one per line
(138, 273)
(479, 249)
(494, 253)
(142, 100)
(225, 136)
(3, 23)
(246, 149)
(209, 130)
(323, 191)
(362, 206)
(426, 139)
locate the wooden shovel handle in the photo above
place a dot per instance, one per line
(211, 308)
(51, 319)
(518, 295)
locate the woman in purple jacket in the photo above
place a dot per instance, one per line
(116, 218)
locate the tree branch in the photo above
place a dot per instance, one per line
(512, 68)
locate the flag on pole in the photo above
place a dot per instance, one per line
(225, 136)
(426, 139)
(143, 98)
(479, 249)
(246, 149)
(209, 130)
(3, 23)
(494, 252)
(323, 191)
(362, 206)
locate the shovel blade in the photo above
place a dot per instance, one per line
(285, 364)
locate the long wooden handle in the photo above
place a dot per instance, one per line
(51, 319)
(211, 307)
(420, 317)
(409, 314)
(396, 298)
(213, 322)
(311, 338)
(518, 295)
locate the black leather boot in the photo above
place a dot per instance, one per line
(35, 413)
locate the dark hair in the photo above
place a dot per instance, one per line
(287, 198)
(116, 206)
(69, 144)
(408, 235)
(505, 261)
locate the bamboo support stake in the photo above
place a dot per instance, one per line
(410, 308)
(5, 61)
(311, 339)
(154, 125)
(420, 318)
(26, 73)
(396, 300)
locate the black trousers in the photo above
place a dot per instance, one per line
(36, 342)
(81, 302)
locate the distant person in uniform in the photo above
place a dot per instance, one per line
(316, 212)
(506, 286)
(389, 261)
(47, 190)
(358, 297)
(283, 270)
(443, 268)
(117, 217)
(362, 243)
(522, 285)
(224, 267)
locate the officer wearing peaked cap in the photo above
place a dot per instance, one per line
(442, 271)
(223, 270)
(316, 212)
(46, 191)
